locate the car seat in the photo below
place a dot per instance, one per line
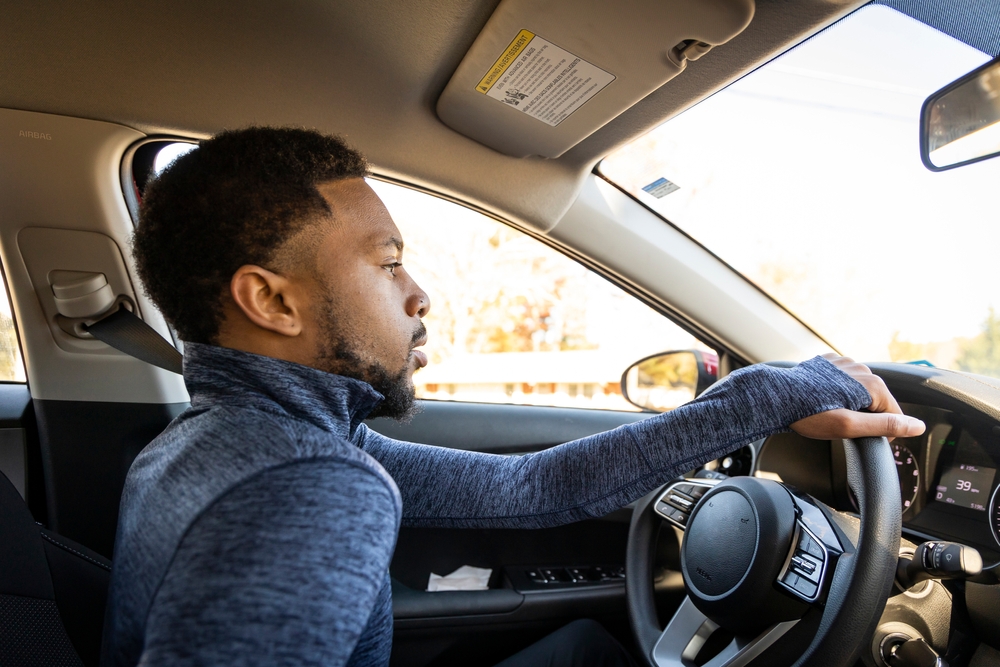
(52, 592)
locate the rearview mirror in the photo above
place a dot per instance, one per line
(667, 380)
(960, 124)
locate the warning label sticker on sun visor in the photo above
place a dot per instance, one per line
(542, 80)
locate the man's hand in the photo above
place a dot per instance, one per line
(884, 418)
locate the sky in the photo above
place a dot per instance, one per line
(806, 177)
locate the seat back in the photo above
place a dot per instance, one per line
(52, 592)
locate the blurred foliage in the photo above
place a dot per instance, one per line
(679, 369)
(904, 350)
(542, 309)
(538, 306)
(10, 364)
(982, 354)
(979, 354)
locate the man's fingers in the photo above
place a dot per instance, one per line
(888, 424)
(882, 400)
(848, 424)
(882, 418)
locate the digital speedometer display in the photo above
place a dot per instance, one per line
(966, 485)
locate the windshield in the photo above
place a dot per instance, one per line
(806, 177)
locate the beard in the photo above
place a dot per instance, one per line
(339, 355)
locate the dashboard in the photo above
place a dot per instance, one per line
(948, 479)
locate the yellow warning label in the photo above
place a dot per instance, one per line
(542, 80)
(505, 60)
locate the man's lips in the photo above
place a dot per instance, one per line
(420, 355)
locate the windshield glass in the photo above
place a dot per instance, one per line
(806, 177)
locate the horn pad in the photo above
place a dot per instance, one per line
(723, 544)
(735, 544)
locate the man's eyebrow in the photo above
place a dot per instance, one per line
(393, 241)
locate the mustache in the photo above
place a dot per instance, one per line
(418, 335)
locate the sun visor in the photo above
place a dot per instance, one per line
(542, 76)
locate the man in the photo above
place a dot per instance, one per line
(258, 528)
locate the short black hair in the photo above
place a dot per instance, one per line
(235, 200)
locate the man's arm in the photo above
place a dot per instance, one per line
(598, 474)
(284, 569)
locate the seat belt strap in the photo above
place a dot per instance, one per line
(126, 333)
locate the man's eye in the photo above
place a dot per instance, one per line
(391, 268)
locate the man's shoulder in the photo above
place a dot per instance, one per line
(205, 453)
(234, 442)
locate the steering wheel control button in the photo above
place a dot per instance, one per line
(679, 500)
(803, 573)
(810, 546)
(800, 564)
(806, 588)
(693, 491)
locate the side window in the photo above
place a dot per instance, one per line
(514, 321)
(147, 162)
(11, 363)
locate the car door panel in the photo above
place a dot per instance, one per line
(501, 429)
(14, 451)
(463, 627)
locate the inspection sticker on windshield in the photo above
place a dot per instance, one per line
(661, 187)
(542, 80)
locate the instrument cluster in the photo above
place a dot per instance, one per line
(948, 479)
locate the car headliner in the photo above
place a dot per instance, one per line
(369, 71)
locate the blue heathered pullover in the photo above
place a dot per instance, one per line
(257, 529)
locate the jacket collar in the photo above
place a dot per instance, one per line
(224, 377)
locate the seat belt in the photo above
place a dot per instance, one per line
(126, 333)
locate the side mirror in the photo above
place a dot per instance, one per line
(667, 380)
(960, 124)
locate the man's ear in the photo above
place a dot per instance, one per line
(267, 300)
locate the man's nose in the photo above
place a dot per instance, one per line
(418, 303)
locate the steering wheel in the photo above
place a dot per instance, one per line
(767, 568)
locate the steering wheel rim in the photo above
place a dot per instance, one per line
(860, 584)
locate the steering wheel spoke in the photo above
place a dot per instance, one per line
(688, 631)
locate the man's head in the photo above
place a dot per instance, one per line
(270, 241)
